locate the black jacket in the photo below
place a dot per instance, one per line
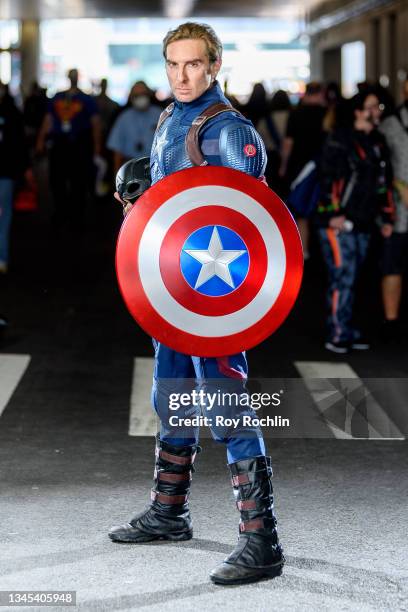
(13, 146)
(356, 179)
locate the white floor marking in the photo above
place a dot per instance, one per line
(317, 375)
(142, 419)
(12, 368)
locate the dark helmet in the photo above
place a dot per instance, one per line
(133, 179)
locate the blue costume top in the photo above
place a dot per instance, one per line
(226, 140)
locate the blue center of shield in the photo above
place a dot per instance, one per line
(214, 260)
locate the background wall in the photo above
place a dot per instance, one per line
(384, 31)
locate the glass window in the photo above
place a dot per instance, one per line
(353, 67)
(5, 66)
(9, 33)
(127, 50)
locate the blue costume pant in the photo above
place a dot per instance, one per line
(343, 253)
(176, 373)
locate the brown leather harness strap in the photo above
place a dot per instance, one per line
(168, 499)
(240, 479)
(249, 477)
(193, 149)
(257, 523)
(174, 478)
(166, 113)
(189, 460)
(246, 504)
(192, 145)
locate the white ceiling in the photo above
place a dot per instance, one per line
(48, 9)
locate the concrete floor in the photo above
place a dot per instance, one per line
(69, 470)
(341, 505)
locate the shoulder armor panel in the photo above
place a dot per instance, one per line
(242, 148)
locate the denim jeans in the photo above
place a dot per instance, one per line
(6, 208)
(343, 253)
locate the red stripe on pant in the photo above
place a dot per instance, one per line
(226, 369)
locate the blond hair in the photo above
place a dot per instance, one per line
(201, 31)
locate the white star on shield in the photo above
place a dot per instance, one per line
(215, 261)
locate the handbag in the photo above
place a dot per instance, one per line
(26, 198)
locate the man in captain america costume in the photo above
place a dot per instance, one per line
(192, 54)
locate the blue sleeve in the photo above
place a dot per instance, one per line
(115, 140)
(233, 142)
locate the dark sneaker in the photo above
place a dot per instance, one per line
(3, 326)
(342, 348)
(360, 344)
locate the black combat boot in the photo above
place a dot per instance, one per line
(258, 553)
(168, 516)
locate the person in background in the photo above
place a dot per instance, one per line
(73, 126)
(356, 183)
(108, 109)
(133, 131)
(257, 110)
(303, 143)
(395, 248)
(336, 114)
(14, 164)
(280, 108)
(233, 100)
(272, 129)
(257, 106)
(35, 109)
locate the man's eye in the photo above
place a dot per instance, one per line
(194, 64)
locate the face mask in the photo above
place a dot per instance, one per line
(141, 102)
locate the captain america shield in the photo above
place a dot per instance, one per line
(209, 261)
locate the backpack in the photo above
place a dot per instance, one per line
(305, 191)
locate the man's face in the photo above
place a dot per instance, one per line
(188, 69)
